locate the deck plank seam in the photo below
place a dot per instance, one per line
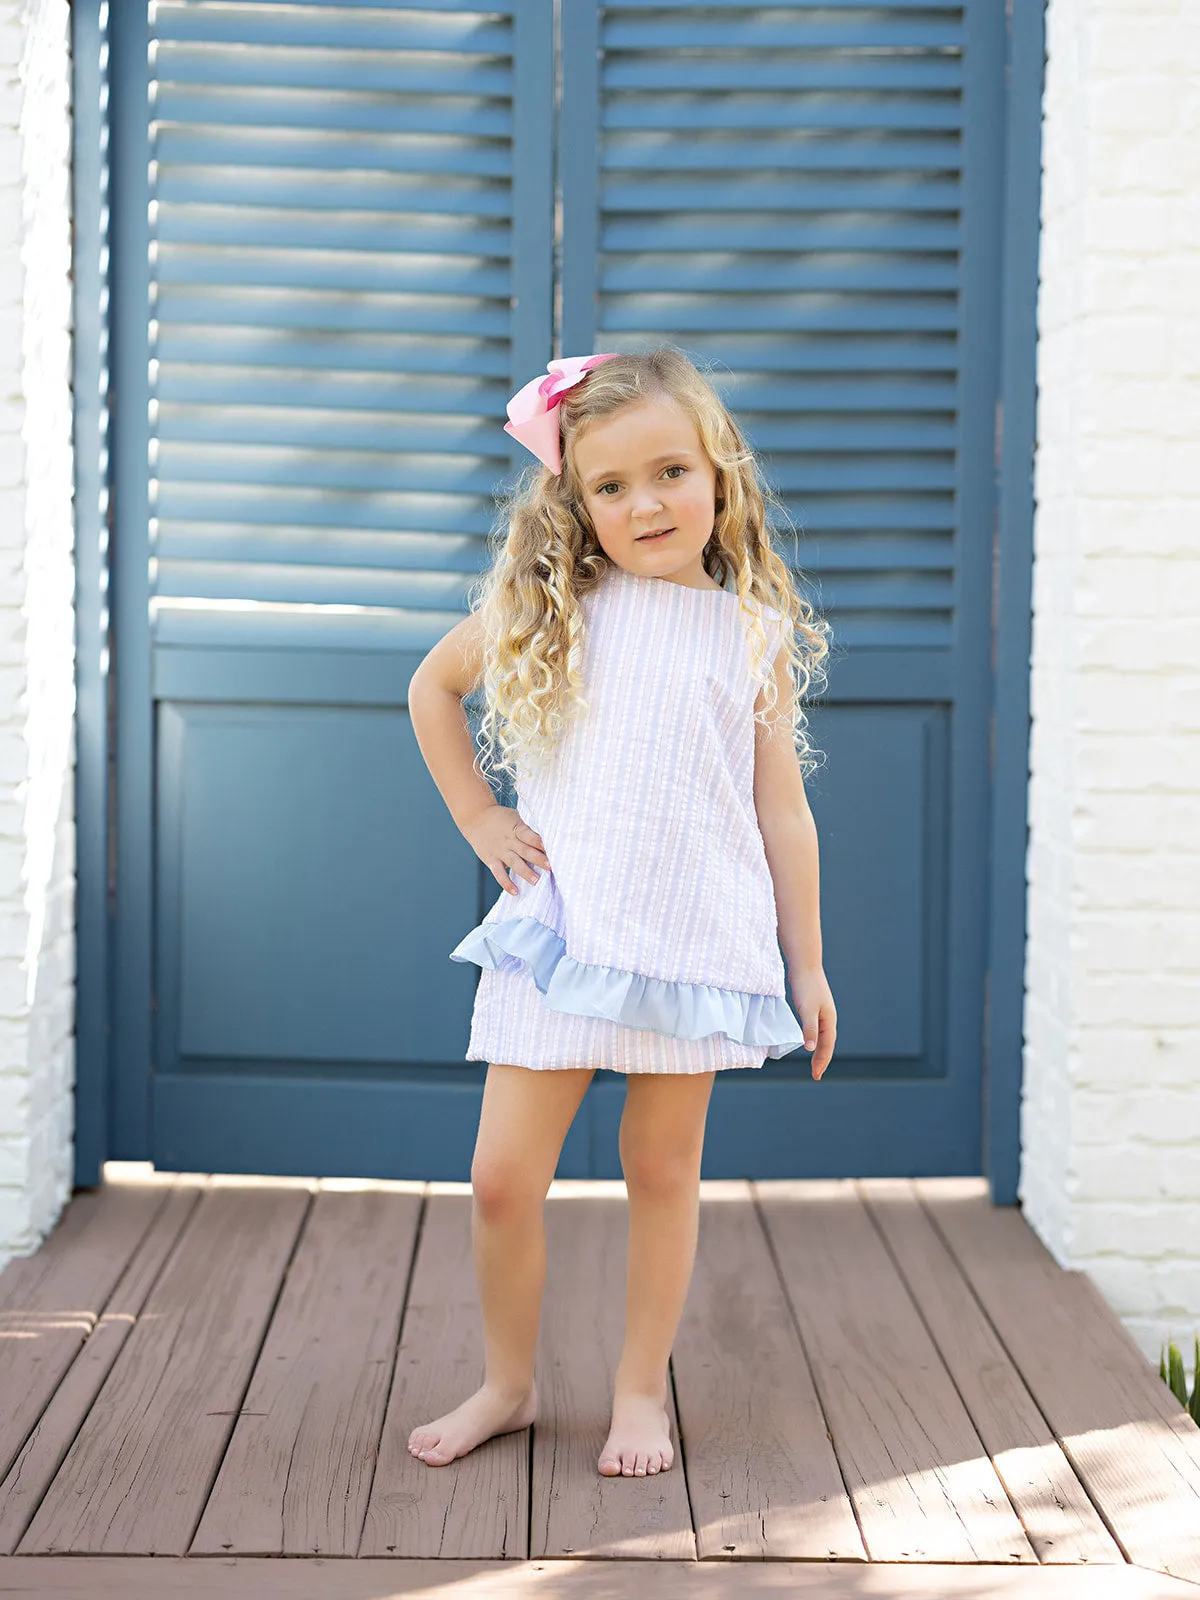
(386, 1404)
(1054, 1433)
(682, 1462)
(168, 1190)
(864, 1200)
(312, 1190)
(755, 1201)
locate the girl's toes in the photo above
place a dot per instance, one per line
(610, 1465)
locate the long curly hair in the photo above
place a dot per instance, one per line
(546, 557)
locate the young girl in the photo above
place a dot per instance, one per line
(637, 672)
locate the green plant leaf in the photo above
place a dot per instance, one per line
(1178, 1381)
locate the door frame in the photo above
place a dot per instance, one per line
(112, 1017)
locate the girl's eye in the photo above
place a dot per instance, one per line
(605, 486)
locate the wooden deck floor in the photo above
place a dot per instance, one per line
(881, 1386)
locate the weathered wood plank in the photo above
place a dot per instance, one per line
(46, 1447)
(477, 1506)
(1059, 1519)
(114, 1578)
(50, 1300)
(136, 1478)
(921, 1480)
(297, 1473)
(1134, 1447)
(577, 1510)
(762, 1475)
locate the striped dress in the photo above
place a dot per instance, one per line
(650, 944)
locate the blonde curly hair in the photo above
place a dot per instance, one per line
(546, 557)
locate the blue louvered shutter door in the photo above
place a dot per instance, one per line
(350, 216)
(806, 199)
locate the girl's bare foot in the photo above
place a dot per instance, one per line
(639, 1441)
(484, 1414)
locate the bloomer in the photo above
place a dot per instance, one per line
(512, 1023)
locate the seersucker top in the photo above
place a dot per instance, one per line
(658, 910)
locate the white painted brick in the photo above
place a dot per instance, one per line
(14, 1101)
(1147, 1232)
(1121, 46)
(1111, 700)
(1125, 879)
(1142, 106)
(1133, 223)
(14, 1163)
(1116, 1174)
(36, 624)
(1151, 1000)
(1110, 1131)
(1162, 1116)
(1166, 407)
(1128, 1285)
(1127, 343)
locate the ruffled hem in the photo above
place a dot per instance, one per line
(686, 1010)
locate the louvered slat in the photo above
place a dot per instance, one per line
(333, 215)
(777, 189)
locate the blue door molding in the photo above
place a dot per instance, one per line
(1025, 57)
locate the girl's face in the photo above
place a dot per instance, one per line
(644, 470)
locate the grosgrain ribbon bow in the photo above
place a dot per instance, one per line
(533, 410)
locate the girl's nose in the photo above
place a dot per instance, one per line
(645, 505)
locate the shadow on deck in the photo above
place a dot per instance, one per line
(880, 1387)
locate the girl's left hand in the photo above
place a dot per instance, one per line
(817, 1013)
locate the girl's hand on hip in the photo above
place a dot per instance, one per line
(506, 844)
(817, 1013)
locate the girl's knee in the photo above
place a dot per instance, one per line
(502, 1187)
(658, 1173)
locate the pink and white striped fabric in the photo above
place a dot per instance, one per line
(650, 945)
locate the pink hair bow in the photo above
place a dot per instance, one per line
(533, 410)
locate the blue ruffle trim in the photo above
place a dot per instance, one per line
(686, 1010)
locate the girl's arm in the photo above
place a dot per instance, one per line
(499, 837)
(435, 696)
(790, 840)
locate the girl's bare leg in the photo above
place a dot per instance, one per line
(661, 1142)
(522, 1125)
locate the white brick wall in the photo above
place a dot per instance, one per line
(1111, 1111)
(37, 638)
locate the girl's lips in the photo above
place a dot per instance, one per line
(644, 536)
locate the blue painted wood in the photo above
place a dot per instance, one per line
(313, 930)
(579, 140)
(90, 354)
(1026, 54)
(335, 236)
(132, 824)
(321, 1126)
(834, 259)
(353, 268)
